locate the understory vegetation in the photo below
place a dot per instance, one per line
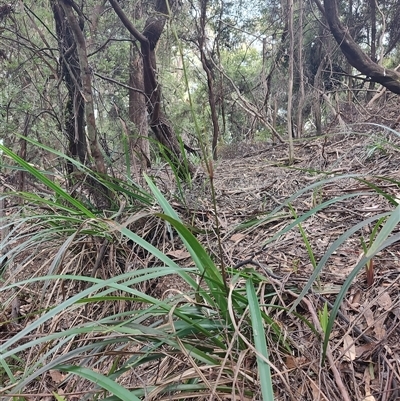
(234, 236)
(143, 302)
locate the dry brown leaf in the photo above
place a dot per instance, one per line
(385, 301)
(293, 362)
(349, 348)
(379, 329)
(57, 376)
(290, 362)
(179, 254)
(356, 298)
(369, 317)
(237, 237)
(365, 348)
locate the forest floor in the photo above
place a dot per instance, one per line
(252, 182)
(256, 194)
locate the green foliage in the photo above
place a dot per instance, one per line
(373, 234)
(102, 381)
(376, 148)
(382, 241)
(205, 311)
(324, 317)
(243, 66)
(305, 239)
(221, 312)
(260, 342)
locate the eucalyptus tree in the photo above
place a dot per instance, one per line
(80, 107)
(353, 52)
(148, 40)
(290, 13)
(233, 63)
(206, 62)
(70, 69)
(139, 143)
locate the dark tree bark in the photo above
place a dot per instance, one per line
(148, 41)
(79, 108)
(86, 80)
(373, 46)
(71, 74)
(353, 53)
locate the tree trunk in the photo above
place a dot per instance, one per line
(71, 74)
(318, 98)
(300, 65)
(99, 192)
(207, 67)
(86, 78)
(372, 4)
(221, 95)
(353, 53)
(138, 141)
(290, 80)
(158, 122)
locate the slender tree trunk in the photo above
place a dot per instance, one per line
(221, 95)
(138, 142)
(274, 65)
(86, 77)
(159, 124)
(290, 79)
(317, 99)
(267, 87)
(71, 74)
(99, 193)
(207, 67)
(373, 29)
(300, 65)
(371, 87)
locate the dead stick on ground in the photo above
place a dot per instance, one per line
(336, 374)
(315, 319)
(329, 355)
(356, 330)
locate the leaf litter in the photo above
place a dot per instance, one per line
(251, 181)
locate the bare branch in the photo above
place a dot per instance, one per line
(353, 53)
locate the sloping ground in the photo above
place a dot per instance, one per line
(251, 182)
(257, 195)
